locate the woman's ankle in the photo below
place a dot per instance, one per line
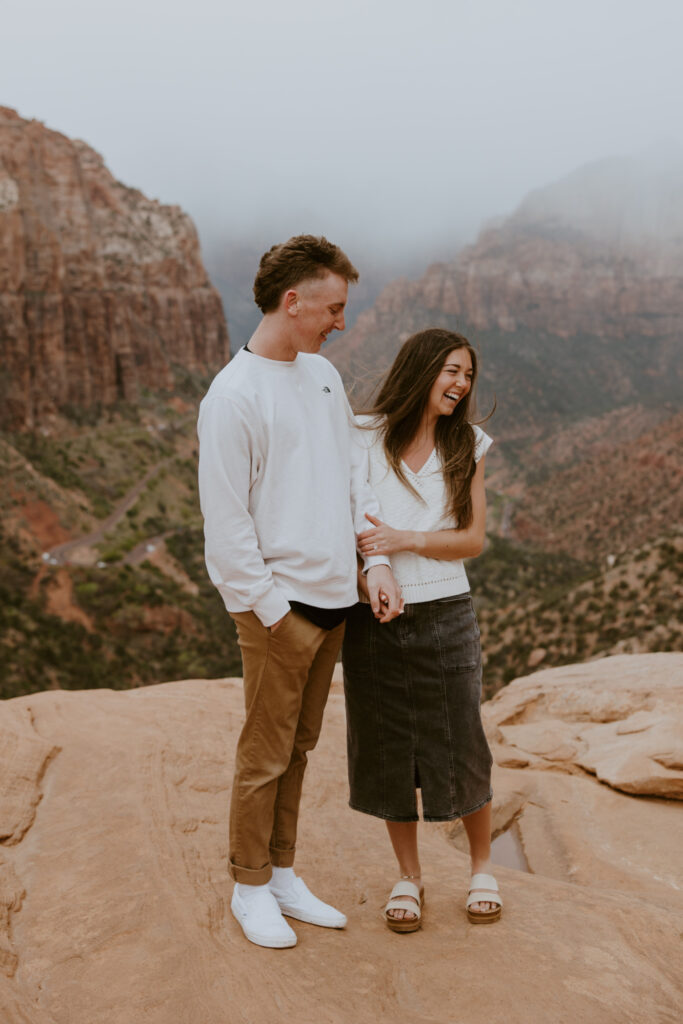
(410, 874)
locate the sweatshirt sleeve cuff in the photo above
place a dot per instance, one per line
(372, 560)
(272, 607)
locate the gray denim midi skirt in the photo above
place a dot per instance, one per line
(413, 698)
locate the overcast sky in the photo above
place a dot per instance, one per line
(397, 124)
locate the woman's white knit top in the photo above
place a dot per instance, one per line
(420, 578)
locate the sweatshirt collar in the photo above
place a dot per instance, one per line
(276, 364)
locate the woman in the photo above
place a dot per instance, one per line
(413, 685)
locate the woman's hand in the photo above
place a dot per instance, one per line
(383, 539)
(384, 593)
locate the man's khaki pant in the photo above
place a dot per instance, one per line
(287, 678)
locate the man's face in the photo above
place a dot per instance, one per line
(318, 308)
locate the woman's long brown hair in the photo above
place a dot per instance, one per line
(400, 405)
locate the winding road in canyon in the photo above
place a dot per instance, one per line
(63, 554)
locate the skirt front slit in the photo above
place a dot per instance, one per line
(413, 695)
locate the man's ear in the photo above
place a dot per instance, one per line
(292, 302)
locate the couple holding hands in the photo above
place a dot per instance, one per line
(323, 528)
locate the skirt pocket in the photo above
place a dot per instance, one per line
(455, 624)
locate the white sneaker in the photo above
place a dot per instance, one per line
(298, 901)
(261, 919)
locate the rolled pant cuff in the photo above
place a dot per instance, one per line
(251, 876)
(282, 858)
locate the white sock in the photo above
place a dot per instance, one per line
(283, 878)
(248, 892)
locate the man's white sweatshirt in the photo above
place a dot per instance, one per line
(283, 486)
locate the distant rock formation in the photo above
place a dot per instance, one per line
(585, 278)
(102, 291)
(114, 891)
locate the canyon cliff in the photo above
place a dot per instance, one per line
(102, 291)
(575, 301)
(575, 305)
(115, 895)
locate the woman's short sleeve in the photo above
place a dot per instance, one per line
(482, 442)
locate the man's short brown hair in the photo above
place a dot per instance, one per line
(302, 257)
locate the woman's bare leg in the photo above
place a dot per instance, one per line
(403, 835)
(478, 828)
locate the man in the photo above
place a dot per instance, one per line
(283, 489)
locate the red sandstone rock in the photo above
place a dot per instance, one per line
(114, 896)
(554, 270)
(102, 291)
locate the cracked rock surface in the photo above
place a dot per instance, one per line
(114, 894)
(619, 718)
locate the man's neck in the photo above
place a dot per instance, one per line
(271, 342)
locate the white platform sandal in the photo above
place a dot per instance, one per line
(483, 889)
(405, 889)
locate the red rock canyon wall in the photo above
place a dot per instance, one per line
(102, 291)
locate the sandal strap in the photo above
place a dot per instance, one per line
(484, 896)
(412, 908)
(483, 881)
(405, 888)
(483, 889)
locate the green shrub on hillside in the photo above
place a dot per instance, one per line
(39, 650)
(50, 457)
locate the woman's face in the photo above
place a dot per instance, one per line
(452, 384)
